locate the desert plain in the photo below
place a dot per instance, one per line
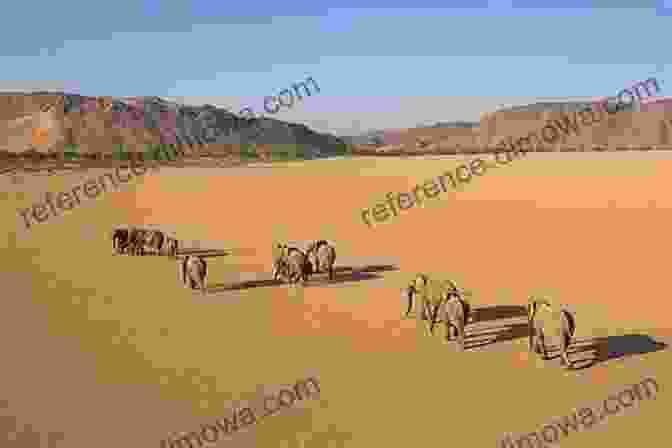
(103, 350)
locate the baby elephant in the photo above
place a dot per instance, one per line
(541, 320)
(193, 271)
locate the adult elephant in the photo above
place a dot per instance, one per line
(430, 299)
(322, 256)
(193, 272)
(291, 265)
(136, 243)
(154, 240)
(120, 239)
(171, 246)
(546, 321)
(454, 310)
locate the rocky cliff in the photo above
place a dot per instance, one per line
(47, 122)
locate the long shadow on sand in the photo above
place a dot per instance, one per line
(493, 334)
(486, 314)
(342, 274)
(204, 253)
(506, 333)
(612, 347)
(498, 312)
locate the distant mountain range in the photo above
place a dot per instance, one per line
(89, 122)
(387, 137)
(26, 123)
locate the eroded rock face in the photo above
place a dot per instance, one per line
(48, 121)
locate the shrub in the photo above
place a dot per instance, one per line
(248, 151)
(344, 150)
(158, 152)
(289, 151)
(71, 152)
(119, 152)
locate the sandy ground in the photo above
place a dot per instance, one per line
(103, 350)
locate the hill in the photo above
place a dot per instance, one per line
(642, 125)
(47, 122)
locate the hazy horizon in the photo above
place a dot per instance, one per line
(377, 68)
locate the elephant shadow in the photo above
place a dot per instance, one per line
(347, 274)
(486, 314)
(493, 334)
(249, 284)
(203, 253)
(496, 334)
(612, 347)
(342, 274)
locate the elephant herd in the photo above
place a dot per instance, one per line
(434, 299)
(290, 265)
(135, 241)
(293, 265)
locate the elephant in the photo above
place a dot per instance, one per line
(438, 297)
(120, 239)
(414, 292)
(170, 246)
(291, 265)
(541, 316)
(136, 241)
(193, 272)
(154, 240)
(455, 312)
(322, 256)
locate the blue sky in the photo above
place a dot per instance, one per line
(378, 64)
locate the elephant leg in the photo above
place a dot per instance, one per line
(537, 343)
(460, 334)
(419, 311)
(331, 272)
(542, 342)
(434, 314)
(563, 347)
(426, 310)
(410, 305)
(449, 330)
